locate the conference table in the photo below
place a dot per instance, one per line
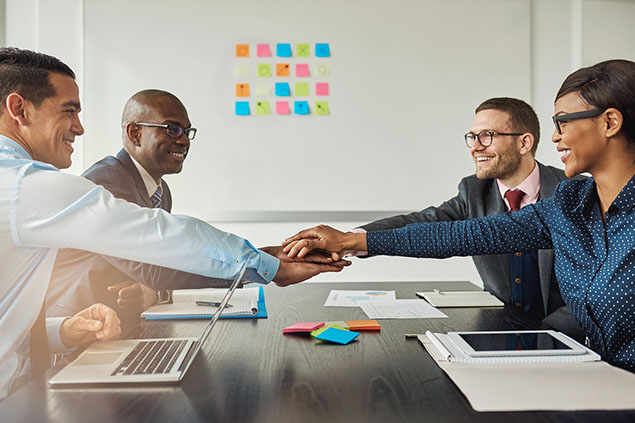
(249, 371)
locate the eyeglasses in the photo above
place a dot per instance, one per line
(484, 137)
(174, 131)
(560, 119)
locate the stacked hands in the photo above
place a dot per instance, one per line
(325, 240)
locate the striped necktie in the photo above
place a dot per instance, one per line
(156, 198)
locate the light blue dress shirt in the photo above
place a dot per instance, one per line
(43, 209)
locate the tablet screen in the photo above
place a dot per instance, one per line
(513, 341)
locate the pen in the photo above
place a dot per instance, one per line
(211, 304)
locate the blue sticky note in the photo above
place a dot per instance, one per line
(339, 336)
(242, 108)
(282, 89)
(301, 107)
(283, 50)
(322, 50)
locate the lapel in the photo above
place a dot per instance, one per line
(130, 167)
(548, 183)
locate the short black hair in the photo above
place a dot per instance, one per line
(27, 72)
(607, 84)
(522, 116)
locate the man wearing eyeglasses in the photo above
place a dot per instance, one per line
(503, 142)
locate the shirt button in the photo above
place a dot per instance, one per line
(518, 304)
(519, 254)
(517, 280)
(237, 261)
(266, 273)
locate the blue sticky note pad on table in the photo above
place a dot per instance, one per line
(242, 108)
(301, 107)
(282, 89)
(322, 50)
(283, 50)
(339, 336)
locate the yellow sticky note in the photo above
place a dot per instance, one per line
(301, 88)
(242, 50)
(263, 89)
(242, 90)
(282, 69)
(322, 69)
(263, 108)
(242, 69)
(264, 69)
(321, 107)
(340, 323)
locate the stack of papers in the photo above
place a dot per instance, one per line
(339, 298)
(400, 309)
(461, 299)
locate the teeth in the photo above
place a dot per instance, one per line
(565, 152)
(180, 155)
(483, 159)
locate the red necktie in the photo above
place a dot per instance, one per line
(514, 197)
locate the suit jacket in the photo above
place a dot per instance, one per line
(479, 198)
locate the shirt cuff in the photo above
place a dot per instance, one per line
(53, 325)
(267, 267)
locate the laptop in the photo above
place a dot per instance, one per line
(159, 361)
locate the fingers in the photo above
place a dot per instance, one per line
(114, 289)
(302, 247)
(106, 325)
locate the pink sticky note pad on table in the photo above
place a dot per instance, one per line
(282, 107)
(322, 88)
(303, 327)
(302, 70)
(263, 50)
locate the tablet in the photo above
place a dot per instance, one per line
(515, 343)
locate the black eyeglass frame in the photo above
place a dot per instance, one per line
(176, 130)
(585, 114)
(483, 134)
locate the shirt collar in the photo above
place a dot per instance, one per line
(6, 142)
(148, 181)
(624, 200)
(530, 186)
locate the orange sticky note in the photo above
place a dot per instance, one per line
(242, 50)
(282, 69)
(363, 324)
(242, 90)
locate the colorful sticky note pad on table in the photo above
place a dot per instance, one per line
(263, 89)
(242, 50)
(302, 69)
(338, 336)
(322, 69)
(282, 89)
(322, 88)
(363, 324)
(301, 107)
(242, 69)
(283, 50)
(303, 327)
(262, 50)
(302, 50)
(242, 108)
(321, 107)
(323, 328)
(263, 108)
(264, 69)
(301, 88)
(322, 50)
(339, 323)
(282, 69)
(242, 90)
(282, 107)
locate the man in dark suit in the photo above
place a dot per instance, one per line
(503, 142)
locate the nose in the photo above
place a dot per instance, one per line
(555, 137)
(183, 140)
(476, 146)
(77, 127)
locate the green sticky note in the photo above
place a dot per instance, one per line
(303, 50)
(301, 88)
(263, 108)
(323, 328)
(321, 107)
(340, 324)
(264, 69)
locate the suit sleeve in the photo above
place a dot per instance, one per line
(115, 181)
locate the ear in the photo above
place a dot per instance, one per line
(526, 143)
(133, 134)
(16, 106)
(613, 120)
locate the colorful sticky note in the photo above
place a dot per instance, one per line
(323, 328)
(301, 88)
(262, 50)
(301, 107)
(282, 89)
(263, 108)
(242, 90)
(242, 69)
(303, 327)
(282, 107)
(242, 108)
(263, 89)
(363, 324)
(302, 69)
(340, 323)
(283, 50)
(321, 88)
(242, 50)
(338, 336)
(322, 69)
(264, 69)
(322, 50)
(321, 107)
(282, 69)
(302, 50)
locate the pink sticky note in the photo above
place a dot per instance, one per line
(282, 107)
(303, 326)
(322, 88)
(263, 50)
(302, 69)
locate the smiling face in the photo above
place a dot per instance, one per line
(501, 159)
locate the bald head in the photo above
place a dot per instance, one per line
(141, 106)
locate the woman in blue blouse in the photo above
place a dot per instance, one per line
(590, 223)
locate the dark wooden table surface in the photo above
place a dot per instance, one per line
(250, 371)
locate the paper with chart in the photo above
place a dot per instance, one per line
(340, 298)
(399, 309)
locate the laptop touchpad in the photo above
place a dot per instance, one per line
(96, 359)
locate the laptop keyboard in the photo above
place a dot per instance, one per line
(151, 357)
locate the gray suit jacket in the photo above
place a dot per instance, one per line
(479, 198)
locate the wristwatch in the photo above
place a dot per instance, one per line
(165, 297)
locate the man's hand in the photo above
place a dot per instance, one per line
(292, 272)
(325, 238)
(133, 296)
(96, 322)
(313, 257)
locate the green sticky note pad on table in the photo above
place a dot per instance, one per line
(263, 108)
(340, 323)
(323, 328)
(264, 69)
(338, 336)
(301, 88)
(321, 107)
(303, 50)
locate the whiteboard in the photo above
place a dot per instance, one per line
(405, 78)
